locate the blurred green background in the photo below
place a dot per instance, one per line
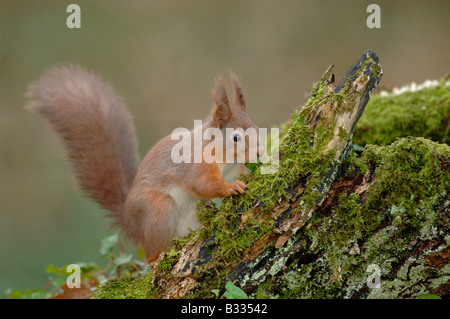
(162, 57)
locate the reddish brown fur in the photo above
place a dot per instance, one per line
(96, 129)
(99, 137)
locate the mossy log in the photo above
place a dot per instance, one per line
(326, 217)
(414, 110)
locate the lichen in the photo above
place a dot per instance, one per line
(404, 205)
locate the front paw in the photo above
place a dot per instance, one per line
(238, 187)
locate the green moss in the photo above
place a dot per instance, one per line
(132, 286)
(409, 194)
(423, 113)
(172, 255)
(263, 290)
(411, 172)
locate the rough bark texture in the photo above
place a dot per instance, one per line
(327, 223)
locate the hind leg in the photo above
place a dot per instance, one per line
(151, 215)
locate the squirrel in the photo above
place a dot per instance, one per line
(153, 201)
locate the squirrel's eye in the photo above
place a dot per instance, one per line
(236, 137)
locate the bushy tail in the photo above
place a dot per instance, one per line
(96, 129)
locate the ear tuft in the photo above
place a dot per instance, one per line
(221, 111)
(238, 98)
(219, 92)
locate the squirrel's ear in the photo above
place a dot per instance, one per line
(238, 98)
(221, 112)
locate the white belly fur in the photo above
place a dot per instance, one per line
(185, 216)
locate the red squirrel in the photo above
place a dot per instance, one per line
(153, 201)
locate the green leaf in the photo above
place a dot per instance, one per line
(108, 243)
(58, 281)
(428, 296)
(215, 292)
(87, 267)
(52, 269)
(123, 259)
(34, 294)
(234, 292)
(16, 294)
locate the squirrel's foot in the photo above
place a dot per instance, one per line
(238, 187)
